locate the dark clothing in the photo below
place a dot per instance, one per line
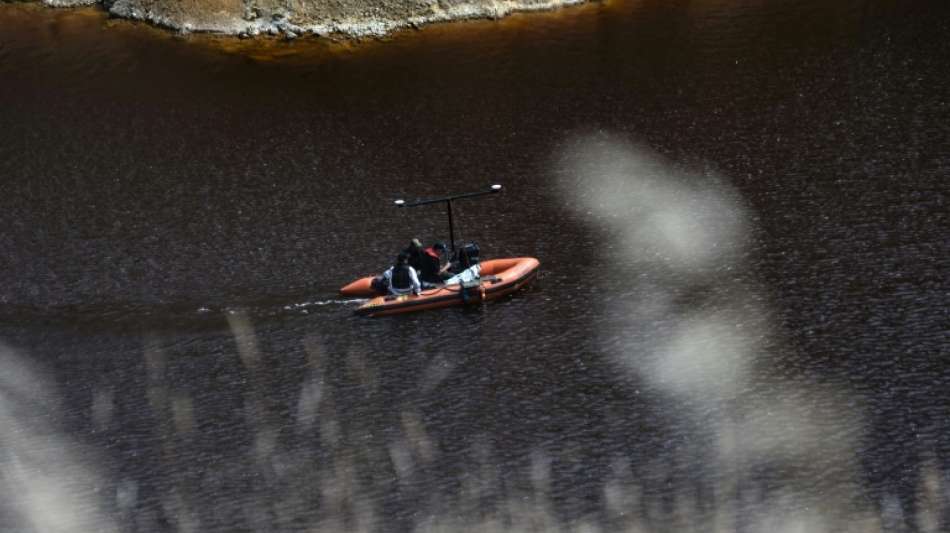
(415, 257)
(401, 278)
(430, 264)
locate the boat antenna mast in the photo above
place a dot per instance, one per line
(448, 202)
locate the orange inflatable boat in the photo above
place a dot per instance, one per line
(498, 277)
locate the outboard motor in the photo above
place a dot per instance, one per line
(466, 256)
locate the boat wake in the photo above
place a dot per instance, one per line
(274, 309)
(319, 303)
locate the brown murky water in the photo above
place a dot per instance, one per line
(740, 209)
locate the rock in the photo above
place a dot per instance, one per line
(69, 3)
(251, 13)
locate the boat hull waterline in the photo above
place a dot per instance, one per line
(499, 277)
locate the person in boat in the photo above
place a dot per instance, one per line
(433, 270)
(415, 253)
(401, 278)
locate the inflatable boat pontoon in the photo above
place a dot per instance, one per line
(486, 281)
(498, 277)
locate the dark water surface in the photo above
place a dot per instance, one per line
(741, 211)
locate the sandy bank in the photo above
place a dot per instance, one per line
(292, 18)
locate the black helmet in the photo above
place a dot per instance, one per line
(402, 258)
(440, 246)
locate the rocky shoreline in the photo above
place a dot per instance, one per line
(294, 18)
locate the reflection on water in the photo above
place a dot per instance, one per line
(740, 210)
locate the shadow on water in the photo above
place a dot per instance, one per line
(760, 190)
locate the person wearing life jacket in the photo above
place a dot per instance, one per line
(401, 278)
(432, 271)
